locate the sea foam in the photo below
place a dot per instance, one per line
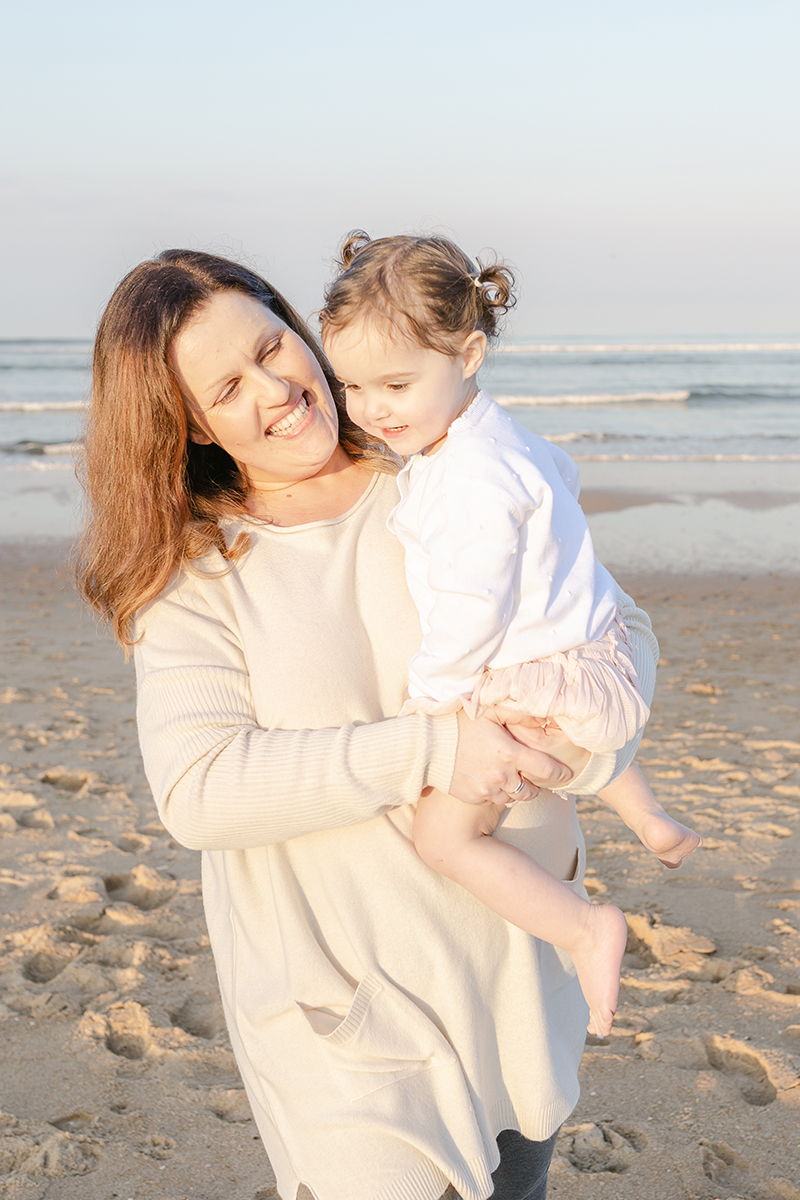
(649, 348)
(42, 406)
(592, 398)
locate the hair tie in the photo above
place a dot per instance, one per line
(476, 279)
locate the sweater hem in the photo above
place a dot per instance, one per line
(538, 1124)
(428, 1182)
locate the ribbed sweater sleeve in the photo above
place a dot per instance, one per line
(221, 781)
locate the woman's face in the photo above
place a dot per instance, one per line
(254, 387)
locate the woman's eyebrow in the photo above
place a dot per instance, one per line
(212, 388)
(265, 335)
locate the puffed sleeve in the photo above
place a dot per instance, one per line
(603, 769)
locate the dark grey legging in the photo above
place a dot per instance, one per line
(522, 1173)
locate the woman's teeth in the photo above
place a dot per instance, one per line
(281, 428)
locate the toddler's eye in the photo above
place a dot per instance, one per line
(397, 387)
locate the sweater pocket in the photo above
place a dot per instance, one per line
(383, 1039)
(576, 881)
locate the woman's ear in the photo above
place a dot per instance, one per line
(473, 352)
(198, 436)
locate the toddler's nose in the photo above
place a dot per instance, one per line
(375, 409)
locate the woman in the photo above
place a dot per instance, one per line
(388, 1027)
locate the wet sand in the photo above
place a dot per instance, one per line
(118, 1079)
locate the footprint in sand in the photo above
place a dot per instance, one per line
(77, 782)
(33, 1151)
(747, 1067)
(158, 1147)
(45, 965)
(728, 1169)
(143, 887)
(129, 1030)
(231, 1106)
(36, 818)
(74, 1122)
(201, 1015)
(134, 843)
(594, 1148)
(78, 890)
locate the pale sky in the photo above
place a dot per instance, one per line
(636, 160)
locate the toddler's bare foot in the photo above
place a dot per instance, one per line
(667, 839)
(597, 955)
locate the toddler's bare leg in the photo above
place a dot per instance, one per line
(631, 797)
(455, 839)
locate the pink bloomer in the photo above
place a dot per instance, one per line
(591, 693)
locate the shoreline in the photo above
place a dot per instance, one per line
(118, 1066)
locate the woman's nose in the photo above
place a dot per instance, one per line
(273, 389)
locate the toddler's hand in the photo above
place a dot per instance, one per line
(490, 762)
(547, 737)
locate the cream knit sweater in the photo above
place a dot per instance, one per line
(387, 1025)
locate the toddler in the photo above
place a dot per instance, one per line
(518, 618)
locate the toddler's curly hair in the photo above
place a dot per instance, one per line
(425, 287)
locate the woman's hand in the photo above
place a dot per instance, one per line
(490, 763)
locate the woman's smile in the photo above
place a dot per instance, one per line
(292, 423)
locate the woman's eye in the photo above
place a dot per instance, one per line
(229, 393)
(271, 348)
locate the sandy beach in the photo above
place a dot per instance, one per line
(118, 1077)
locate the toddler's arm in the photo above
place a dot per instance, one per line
(470, 537)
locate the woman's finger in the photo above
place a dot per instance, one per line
(523, 790)
(540, 769)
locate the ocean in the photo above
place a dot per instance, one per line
(612, 403)
(729, 399)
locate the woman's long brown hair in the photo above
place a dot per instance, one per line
(154, 498)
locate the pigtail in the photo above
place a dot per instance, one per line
(353, 243)
(494, 284)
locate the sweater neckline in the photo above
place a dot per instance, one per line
(257, 525)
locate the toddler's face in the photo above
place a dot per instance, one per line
(402, 393)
